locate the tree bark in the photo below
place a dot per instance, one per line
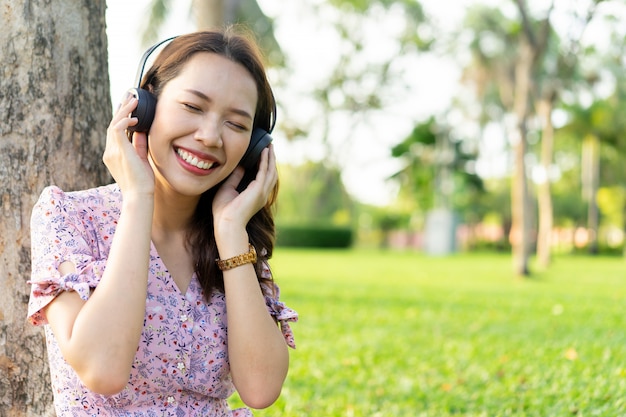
(520, 203)
(54, 110)
(544, 200)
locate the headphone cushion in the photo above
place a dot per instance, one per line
(144, 112)
(259, 140)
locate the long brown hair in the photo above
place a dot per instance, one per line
(239, 46)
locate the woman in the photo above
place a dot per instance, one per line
(125, 276)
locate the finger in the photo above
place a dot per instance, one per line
(124, 110)
(140, 143)
(123, 120)
(124, 100)
(235, 178)
(268, 164)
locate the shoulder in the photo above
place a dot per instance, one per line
(56, 199)
(94, 205)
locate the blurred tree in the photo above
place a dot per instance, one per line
(313, 193)
(503, 57)
(563, 72)
(518, 62)
(55, 108)
(611, 201)
(360, 83)
(601, 130)
(217, 13)
(357, 83)
(436, 169)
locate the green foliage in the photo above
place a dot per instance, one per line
(611, 202)
(392, 334)
(388, 218)
(495, 203)
(314, 209)
(428, 154)
(602, 119)
(569, 207)
(312, 193)
(314, 236)
(412, 11)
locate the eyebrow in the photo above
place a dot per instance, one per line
(204, 97)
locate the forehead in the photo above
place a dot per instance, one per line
(209, 72)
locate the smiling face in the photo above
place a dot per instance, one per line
(202, 126)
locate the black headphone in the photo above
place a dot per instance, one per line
(146, 108)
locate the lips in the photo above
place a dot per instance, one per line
(194, 160)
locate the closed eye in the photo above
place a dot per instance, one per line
(237, 126)
(191, 107)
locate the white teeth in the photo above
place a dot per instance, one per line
(193, 160)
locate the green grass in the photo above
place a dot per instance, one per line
(401, 334)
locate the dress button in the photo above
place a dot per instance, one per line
(183, 317)
(181, 366)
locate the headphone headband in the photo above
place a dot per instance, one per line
(144, 59)
(149, 51)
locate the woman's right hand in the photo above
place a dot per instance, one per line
(128, 161)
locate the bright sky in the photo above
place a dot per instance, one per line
(367, 161)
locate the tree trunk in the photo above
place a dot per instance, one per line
(544, 199)
(209, 14)
(519, 191)
(591, 183)
(55, 107)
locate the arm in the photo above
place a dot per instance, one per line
(99, 338)
(256, 347)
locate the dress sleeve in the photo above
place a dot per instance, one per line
(278, 309)
(58, 235)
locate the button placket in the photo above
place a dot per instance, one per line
(183, 360)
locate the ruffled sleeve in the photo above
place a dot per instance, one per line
(278, 309)
(58, 235)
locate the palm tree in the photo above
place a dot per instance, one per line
(528, 72)
(503, 61)
(599, 126)
(561, 71)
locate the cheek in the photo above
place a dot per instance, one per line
(237, 147)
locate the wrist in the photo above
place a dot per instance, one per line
(248, 257)
(231, 243)
(141, 203)
(138, 198)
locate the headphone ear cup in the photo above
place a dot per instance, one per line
(259, 140)
(144, 112)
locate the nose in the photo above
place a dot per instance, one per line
(209, 132)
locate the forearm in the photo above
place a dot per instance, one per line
(256, 347)
(102, 340)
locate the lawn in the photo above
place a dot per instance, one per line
(401, 334)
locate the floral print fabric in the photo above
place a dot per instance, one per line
(181, 366)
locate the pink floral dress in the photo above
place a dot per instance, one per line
(181, 367)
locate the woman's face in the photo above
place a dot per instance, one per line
(202, 124)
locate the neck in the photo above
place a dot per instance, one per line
(172, 213)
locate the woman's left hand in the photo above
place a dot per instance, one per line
(234, 209)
